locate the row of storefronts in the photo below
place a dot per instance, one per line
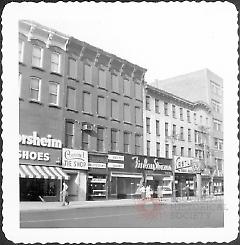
(44, 166)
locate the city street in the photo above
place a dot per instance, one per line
(146, 214)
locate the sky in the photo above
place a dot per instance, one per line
(168, 39)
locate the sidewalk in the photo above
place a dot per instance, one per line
(45, 206)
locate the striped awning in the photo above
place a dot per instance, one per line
(41, 172)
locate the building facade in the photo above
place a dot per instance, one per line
(179, 129)
(87, 99)
(206, 86)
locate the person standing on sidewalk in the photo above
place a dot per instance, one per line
(64, 194)
(187, 191)
(143, 190)
(160, 192)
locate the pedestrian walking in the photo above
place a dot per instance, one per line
(187, 191)
(160, 192)
(148, 192)
(204, 191)
(143, 192)
(64, 194)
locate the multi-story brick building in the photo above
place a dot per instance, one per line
(205, 87)
(86, 98)
(176, 128)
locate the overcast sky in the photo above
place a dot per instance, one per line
(168, 39)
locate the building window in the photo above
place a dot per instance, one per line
(87, 102)
(85, 140)
(174, 133)
(189, 152)
(166, 129)
(188, 116)
(148, 147)
(71, 97)
(126, 113)
(19, 84)
(173, 111)
(35, 85)
(181, 133)
(216, 106)
(148, 125)
(138, 91)
(69, 134)
(114, 109)
(55, 62)
(126, 142)
(148, 103)
(195, 118)
(101, 106)
(157, 127)
(167, 150)
(101, 78)
(182, 151)
(72, 68)
(165, 108)
(20, 50)
(189, 135)
(157, 107)
(114, 139)
(219, 164)
(100, 139)
(138, 116)
(218, 144)
(215, 88)
(115, 85)
(37, 56)
(127, 87)
(158, 149)
(217, 125)
(174, 150)
(87, 73)
(181, 114)
(137, 144)
(53, 93)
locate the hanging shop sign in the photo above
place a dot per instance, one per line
(75, 159)
(186, 165)
(96, 165)
(116, 157)
(115, 165)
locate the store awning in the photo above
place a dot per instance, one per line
(41, 172)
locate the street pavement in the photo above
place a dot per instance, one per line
(124, 214)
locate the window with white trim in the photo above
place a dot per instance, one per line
(102, 78)
(218, 144)
(69, 134)
(101, 106)
(126, 113)
(53, 93)
(217, 125)
(216, 106)
(115, 84)
(72, 67)
(100, 139)
(35, 88)
(137, 144)
(114, 110)
(37, 56)
(55, 62)
(127, 87)
(138, 91)
(87, 73)
(87, 102)
(126, 142)
(71, 98)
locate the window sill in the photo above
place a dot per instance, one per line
(102, 88)
(38, 68)
(140, 100)
(114, 92)
(115, 120)
(87, 113)
(127, 96)
(55, 106)
(56, 73)
(139, 125)
(129, 123)
(103, 117)
(88, 83)
(35, 101)
(73, 110)
(73, 79)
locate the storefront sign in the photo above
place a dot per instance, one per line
(96, 165)
(34, 140)
(34, 156)
(116, 157)
(147, 164)
(183, 164)
(76, 159)
(95, 180)
(115, 165)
